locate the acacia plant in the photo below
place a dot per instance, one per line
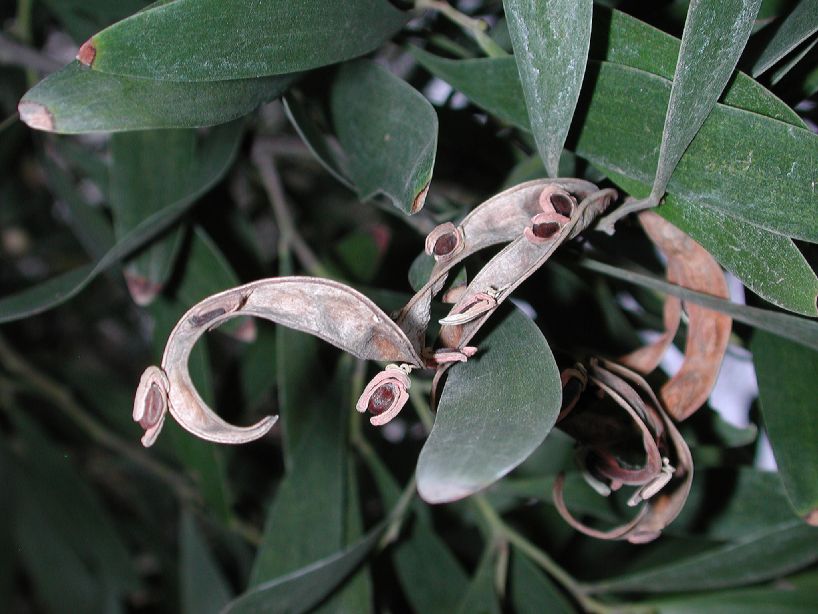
(482, 225)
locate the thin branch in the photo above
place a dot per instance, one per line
(476, 28)
(290, 237)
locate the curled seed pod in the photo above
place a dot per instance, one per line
(444, 242)
(327, 309)
(663, 485)
(385, 395)
(500, 219)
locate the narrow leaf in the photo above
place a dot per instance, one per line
(756, 558)
(788, 389)
(204, 589)
(215, 159)
(800, 330)
(389, 132)
(150, 170)
(209, 40)
(769, 264)
(714, 36)
(550, 40)
(302, 589)
(481, 596)
(794, 30)
(77, 100)
(491, 418)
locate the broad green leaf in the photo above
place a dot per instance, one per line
(481, 596)
(752, 167)
(724, 168)
(210, 40)
(76, 100)
(794, 30)
(312, 493)
(531, 591)
(389, 132)
(769, 264)
(714, 36)
(550, 40)
(150, 170)
(788, 389)
(326, 152)
(302, 589)
(621, 39)
(800, 330)
(203, 588)
(216, 156)
(495, 410)
(778, 551)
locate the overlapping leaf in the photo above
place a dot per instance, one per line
(389, 132)
(208, 40)
(489, 420)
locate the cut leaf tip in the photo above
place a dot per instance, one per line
(87, 53)
(35, 115)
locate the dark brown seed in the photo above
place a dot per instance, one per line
(154, 404)
(445, 244)
(545, 230)
(562, 204)
(381, 399)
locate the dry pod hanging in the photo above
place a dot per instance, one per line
(324, 308)
(615, 418)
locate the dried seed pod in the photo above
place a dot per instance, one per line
(691, 266)
(500, 219)
(664, 480)
(385, 395)
(515, 263)
(327, 309)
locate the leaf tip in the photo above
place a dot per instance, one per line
(143, 291)
(87, 53)
(811, 518)
(36, 115)
(246, 331)
(420, 199)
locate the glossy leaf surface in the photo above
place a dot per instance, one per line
(488, 420)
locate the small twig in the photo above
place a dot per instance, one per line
(13, 53)
(290, 237)
(476, 28)
(9, 121)
(606, 224)
(41, 384)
